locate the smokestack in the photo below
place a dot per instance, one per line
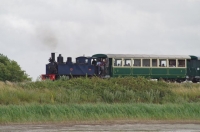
(53, 57)
(60, 59)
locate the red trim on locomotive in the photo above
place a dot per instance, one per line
(49, 76)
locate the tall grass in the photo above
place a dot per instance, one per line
(186, 92)
(83, 90)
(96, 90)
(82, 99)
(98, 112)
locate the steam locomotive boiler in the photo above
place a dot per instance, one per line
(55, 69)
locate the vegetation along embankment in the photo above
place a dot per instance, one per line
(83, 99)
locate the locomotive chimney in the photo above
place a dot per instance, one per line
(60, 59)
(53, 57)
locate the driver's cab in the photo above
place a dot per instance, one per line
(101, 63)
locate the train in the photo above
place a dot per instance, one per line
(167, 67)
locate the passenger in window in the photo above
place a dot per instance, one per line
(172, 64)
(98, 63)
(102, 65)
(99, 66)
(163, 65)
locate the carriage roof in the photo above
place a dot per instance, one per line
(143, 56)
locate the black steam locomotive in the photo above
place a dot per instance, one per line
(84, 66)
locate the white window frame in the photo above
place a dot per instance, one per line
(133, 59)
(127, 59)
(117, 59)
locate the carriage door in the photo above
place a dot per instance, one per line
(190, 72)
(192, 68)
(109, 66)
(198, 68)
(195, 67)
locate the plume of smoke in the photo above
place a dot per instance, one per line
(47, 37)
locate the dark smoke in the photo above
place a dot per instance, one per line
(47, 37)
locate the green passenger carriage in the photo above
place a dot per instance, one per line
(168, 67)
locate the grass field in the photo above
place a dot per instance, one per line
(34, 113)
(83, 99)
(96, 90)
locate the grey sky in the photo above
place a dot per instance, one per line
(31, 29)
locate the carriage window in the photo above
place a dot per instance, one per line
(162, 62)
(154, 63)
(172, 63)
(181, 63)
(127, 62)
(117, 62)
(137, 62)
(146, 62)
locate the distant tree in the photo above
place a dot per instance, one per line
(11, 71)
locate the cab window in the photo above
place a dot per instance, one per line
(86, 61)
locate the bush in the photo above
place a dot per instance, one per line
(11, 71)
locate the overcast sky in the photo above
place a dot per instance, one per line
(31, 29)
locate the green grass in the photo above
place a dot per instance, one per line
(97, 112)
(96, 90)
(95, 99)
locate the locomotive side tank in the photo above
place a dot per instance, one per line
(82, 67)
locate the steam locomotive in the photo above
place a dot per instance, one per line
(84, 66)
